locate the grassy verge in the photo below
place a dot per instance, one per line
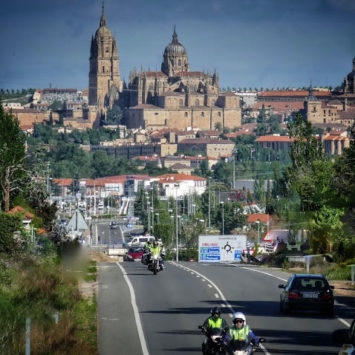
(63, 321)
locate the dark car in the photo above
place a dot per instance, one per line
(134, 253)
(113, 225)
(307, 292)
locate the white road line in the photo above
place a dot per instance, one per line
(209, 285)
(216, 295)
(343, 321)
(279, 278)
(136, 312)
(222, 297)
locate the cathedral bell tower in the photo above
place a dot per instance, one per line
(104, 76)
(175, 57)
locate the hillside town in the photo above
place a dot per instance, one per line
(238, 188)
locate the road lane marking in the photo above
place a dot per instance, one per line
(136, 312)
(343, 321)
(221, 295)
(209, 285)
(279, 278)
(261, 272)
(216, 295)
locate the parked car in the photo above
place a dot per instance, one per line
(113, 225)
(307, 292)
(134, 253)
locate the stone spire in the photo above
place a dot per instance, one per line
(175, 37)
(103, 18)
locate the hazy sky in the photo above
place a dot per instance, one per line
(251, 43)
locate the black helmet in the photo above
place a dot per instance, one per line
(215, 310)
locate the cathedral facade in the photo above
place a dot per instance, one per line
(176, 97)
(104, 75)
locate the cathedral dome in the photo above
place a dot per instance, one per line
(103, 31)
(175, 47)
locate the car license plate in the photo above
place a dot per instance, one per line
(310, 295)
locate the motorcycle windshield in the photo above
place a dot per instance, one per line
(216, 331)
(240, 345)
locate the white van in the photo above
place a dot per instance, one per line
(139, 240)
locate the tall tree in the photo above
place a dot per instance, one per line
(12, 155)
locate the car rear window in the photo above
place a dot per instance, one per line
(309, 283)
(143, 240)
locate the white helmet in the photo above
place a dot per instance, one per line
(239, 315)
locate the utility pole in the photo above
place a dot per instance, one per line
(209, 204)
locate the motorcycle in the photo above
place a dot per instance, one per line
(217, 340)
(145, 258)
(246, 347)
(155, 264)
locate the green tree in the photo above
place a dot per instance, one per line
(114, 115)
(12, 155)
(8, 225)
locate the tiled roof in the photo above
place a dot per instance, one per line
(26, 127)
(179, 177)
(210, 132)
(335, 138)
(274, 139)
(155, 73)
(280, 105)
(63, 182)
(19, 209)
(205, 141)
(295, 93)
(180, 166)
(145, 106)
(347, 115)
(262, 217)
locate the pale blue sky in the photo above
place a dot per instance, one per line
(251, 43)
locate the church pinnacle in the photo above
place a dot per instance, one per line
(103, 18)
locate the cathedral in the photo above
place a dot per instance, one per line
(174, 97)
(104, 75)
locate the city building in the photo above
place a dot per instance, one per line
(176, 97)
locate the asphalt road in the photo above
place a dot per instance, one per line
(108, 235)
(172, 304)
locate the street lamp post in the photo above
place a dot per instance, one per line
(209, 204)
(176, 225)
(222, 204)
(258, 222)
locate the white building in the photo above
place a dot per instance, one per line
(179, 185)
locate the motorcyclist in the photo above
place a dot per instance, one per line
(240, 331)
(162, 252)
(155, 249)
(214, 321)
(146, 255)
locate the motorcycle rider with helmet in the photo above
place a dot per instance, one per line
(240, 331)
(212, 322)
(155, 249)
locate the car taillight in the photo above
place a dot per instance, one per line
(293, 295)
(326, 296)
